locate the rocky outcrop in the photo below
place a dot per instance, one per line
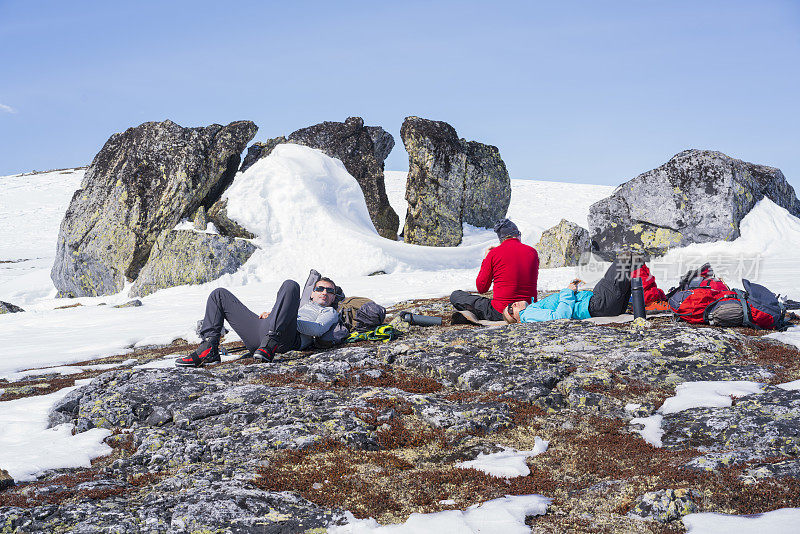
(7, 307)
(259, 150)
(291, 446)
(6, 480)
(696, 197)
(667, 505)
(362, 150)
(141, 183)
(450, 181)
(563, 245)
(745, 432)
(188, 257)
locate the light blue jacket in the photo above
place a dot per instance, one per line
(565, 304)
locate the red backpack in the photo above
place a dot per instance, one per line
(699, 292)
(696, 294)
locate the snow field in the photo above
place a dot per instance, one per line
(783, 521)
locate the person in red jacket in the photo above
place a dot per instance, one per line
(513, 268)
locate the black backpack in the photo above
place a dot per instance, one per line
(361, 314)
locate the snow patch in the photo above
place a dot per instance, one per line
(688, 395)
(507, 463)
(782, 521)
(499, 516)
(30, 448)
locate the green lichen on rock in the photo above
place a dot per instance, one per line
(698, 196)
(181, 257)
(562, 245)
(451, 181)
(7, 307)
(218, 214)
(141, 183)
(667, 505)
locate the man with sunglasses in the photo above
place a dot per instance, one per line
(291, 325)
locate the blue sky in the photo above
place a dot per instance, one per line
(589, 92)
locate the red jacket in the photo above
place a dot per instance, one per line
(514, 269)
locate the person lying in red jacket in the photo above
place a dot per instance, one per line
(512, 267)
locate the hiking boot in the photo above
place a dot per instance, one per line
(207, 352)
(266, 352)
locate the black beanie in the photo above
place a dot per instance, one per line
(506, 228)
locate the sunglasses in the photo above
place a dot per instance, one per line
(510, 309)
(328, 290)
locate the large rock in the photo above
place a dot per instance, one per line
(696, 197)
(362, 150)
(562, 245)
(188, 257)
(450, 181)
(487, 186)
(667, 505)
(7, 307)
(6, 480)
(141, 183)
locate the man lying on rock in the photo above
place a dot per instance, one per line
(289, 326)
(609, 298)
(512, 266)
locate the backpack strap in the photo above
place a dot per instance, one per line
(746, 317)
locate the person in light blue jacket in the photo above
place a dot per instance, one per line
(610, 297)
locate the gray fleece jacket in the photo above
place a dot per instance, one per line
(314, 320)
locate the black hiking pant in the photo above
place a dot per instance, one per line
(281, 325)
(480, 306)
(611, 294)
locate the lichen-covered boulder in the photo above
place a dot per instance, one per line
(450, 181)
(141, 183)
(487, 185)
(696, 197)
(667, 505)
(7, 307)
(182, 257)
(6, 480)
(362, 150)
(757, 426)
(563, 245)
(259, 150)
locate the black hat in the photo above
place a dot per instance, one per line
(506, 228)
